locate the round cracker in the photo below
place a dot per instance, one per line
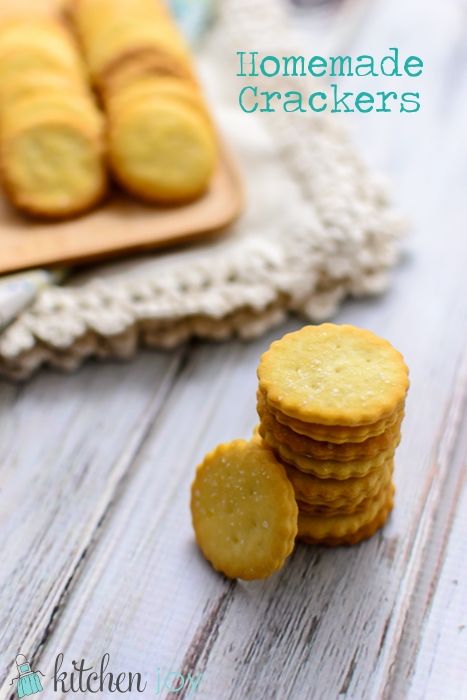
(337, 434)
(364, 532)
(162, 151)
(244, 511)
(142, 63)
(52, 169)
(42, 35)
(333, 375)
(346, 528)
(36, 83)
(149, 85)
(321, 449)
(314, 491)
(64, 107)
(329, 468)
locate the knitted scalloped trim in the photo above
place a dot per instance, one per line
(333, 234)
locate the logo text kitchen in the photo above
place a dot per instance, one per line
(86, 678)
(83, 677)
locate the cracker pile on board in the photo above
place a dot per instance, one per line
(51, 131)
(161, 143)
(146, 125)
(331, 402)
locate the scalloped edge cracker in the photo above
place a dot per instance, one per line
(330, 469)
(333, 375)
(336, 434)
(314, 492)
(243, 510)
(319, 449)
(348, 528)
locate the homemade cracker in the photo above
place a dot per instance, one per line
(144, 63)
(329, 468)
(321, 449)
(343, 529)
(337, 434)
(161, 142)
(112, 30)
(333, 375)
(156, 87)
(306, 532)
(162, 150)
(312, 491)
(68, 178)
(51, 132)
(244, 511)
(333, 508)
(340, 506)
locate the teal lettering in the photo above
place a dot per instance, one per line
(364, 98)
(296, 61)
(413, 66)
(311, 101)
(384, 97)
(193, 681)
(405, 97)
(296, 102)
(254, 90)
(276, 64)
(344, 65)
(392, 60)
(341, 100)
(269, 96)
(317, 66)
(179, 677)
(252, 73)
(365, 66)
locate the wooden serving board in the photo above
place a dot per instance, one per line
(120, 226)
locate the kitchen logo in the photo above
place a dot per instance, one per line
(27, 680)
(85, 678)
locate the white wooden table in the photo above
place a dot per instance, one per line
(97, 551)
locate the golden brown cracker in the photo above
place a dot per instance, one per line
(333, 375)
(67, 180)
(321, 449)
(328, 468)
(141, 63)
(348, 528)
(162, 151)
(366, 531)
(244, 511)
(337, 434)
(346, 493)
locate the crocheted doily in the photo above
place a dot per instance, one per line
(318, 227)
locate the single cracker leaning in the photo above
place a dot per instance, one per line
(243, 510)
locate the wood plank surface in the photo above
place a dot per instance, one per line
(97, 546)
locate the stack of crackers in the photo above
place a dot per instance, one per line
(51, 131)
(148, 124)
(319, 468)
(331, 401)
(161, 143)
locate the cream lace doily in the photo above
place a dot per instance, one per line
(317, 228)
